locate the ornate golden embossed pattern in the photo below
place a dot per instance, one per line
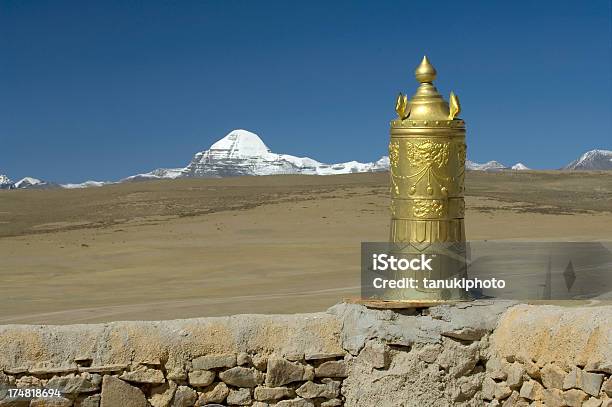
(429, 208)
(428, 153)
(394, 153)
(461, 154)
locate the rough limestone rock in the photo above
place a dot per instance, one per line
(281, 372)
(574, 397)
(552, 376)
(553, 398)
(467, 387)
(567, 336)
(208, 362)
(599, 367)
(496, 368)
(240, 397)
(243, 359)
(116, 392)
(162, 395)
(488, 388)
(92, 401)
(502, 391)
(332, 403)
(607, 387)
(332, 368)
(530, 367)
(260, 362)
(184, 397)
(273, 393)
(201, 378)
(143, 374)
(578, 379)
(323, 355)
(376, 354)
(362, 324)
(592, 402)
(297, 402)
(514, 377)
(430, 352)
(75, 385)
(215, 393)
(242, 377)
(329, 390)
(177, 374)
(512, 400)
(458, 359)
(532, 390)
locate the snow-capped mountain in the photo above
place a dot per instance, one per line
(28, 182)
(488, 166)
(243, 153)
(492, 166)
(519, 167)
(160, 173)
(86, 184)
(5, 182)
(25, 183)
(592, 160)
(34, 183)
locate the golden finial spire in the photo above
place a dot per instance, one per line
(425, 72)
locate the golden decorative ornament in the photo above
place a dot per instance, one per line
(401, 106)
(455, 107)
(427, 155)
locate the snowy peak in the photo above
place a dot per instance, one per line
(520, 167)
(34, 183)
(243, 153)
(592, 160)
(5, 182)
(86, 184)
(240, 144)
(488, 166)
(28, 182)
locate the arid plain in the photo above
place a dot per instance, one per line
(279, 244)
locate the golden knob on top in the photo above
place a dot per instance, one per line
(425, 72)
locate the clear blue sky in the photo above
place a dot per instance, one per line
(103, 90)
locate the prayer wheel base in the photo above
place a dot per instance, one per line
(400, 304)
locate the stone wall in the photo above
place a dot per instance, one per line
(472, 354)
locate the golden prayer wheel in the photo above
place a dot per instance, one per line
(427, 156)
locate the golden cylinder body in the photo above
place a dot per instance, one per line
(427, 166)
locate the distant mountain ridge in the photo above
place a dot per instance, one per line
(242, 152)
(592, 160)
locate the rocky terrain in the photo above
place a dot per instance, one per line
(469, 354)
